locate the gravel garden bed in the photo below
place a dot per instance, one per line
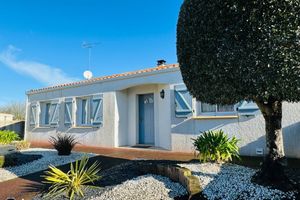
(230, 181)
(49, 156)
(128, 181)
(148, 186)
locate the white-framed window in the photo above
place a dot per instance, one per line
(49, 113)
(89, 110)
(68, 111)
(33, 115)
(85, 107)
(214, 109)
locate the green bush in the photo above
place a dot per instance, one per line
(2, 161)
(63, 143)
(215, 146)
(71, 183)
(6, 137)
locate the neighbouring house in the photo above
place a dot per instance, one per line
(6, 118)
(7, 122)
(147, 107)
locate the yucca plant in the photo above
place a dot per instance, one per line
(63, 143)
(215, 146)
(71, 183)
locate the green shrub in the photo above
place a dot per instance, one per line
(6, 137)
(2, 161)
(63, 143)
(215, 146)
(72, 182)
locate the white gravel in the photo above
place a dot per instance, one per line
(149, 186)
(50, 157)
(146, 187)
(229, 181)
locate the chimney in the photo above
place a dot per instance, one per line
(161, 63)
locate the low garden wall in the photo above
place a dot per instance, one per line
(178, 174)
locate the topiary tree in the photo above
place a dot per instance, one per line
(231, 50)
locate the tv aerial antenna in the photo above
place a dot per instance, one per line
(88, 45)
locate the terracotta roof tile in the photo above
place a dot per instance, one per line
(97, 79)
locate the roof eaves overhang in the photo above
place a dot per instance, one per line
(96, 80)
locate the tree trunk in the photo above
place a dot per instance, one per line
(272, 170)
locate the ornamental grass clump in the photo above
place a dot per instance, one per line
(63, 143)
(72, 183)
(6, 137)
(216, 146)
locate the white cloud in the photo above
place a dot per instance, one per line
(41, 72)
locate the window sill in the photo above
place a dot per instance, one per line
(45, 127)
(215, 117)
(86, 126)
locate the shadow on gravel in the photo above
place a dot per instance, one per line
(114, 171)
(37, 186)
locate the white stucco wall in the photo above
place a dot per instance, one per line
(121, 118)
(164, 118)
(250, 130)
(94, 136)
(4, 117)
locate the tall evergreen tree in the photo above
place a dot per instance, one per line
(233, 50)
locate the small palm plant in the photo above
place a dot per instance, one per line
(63, 143)
(215, 146)
(72, 182)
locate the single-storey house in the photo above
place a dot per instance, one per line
(147, 107)
(5, 117)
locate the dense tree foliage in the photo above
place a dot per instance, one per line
(232, 50)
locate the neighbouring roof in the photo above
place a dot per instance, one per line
(99, 79)
(6, 114)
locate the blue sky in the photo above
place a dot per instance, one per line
(40, 41)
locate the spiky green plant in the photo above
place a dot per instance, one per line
(63, 143)
(215, 146)
(71, 183)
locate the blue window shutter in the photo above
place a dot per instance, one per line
(97, 110)
(54, 113)
(247, 108)
(183, 101)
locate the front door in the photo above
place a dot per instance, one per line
(146, 119)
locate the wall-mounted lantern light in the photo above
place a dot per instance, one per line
(162, 94)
